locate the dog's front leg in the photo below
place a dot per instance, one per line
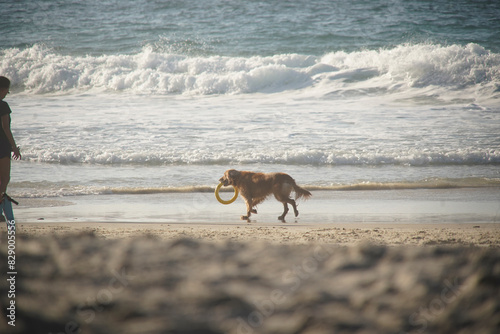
(249, 210)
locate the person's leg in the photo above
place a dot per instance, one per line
(5, 205)
(4, 174)
(6, 208)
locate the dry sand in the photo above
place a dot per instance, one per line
(484, 234)
(251, 278)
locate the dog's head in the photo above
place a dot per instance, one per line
(230, 177)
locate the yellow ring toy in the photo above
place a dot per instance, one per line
(223, 201)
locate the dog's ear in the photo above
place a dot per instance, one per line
(232, 173)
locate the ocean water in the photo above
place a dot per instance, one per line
(140, 98)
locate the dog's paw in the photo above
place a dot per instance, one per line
(244, 218)
(253, 211)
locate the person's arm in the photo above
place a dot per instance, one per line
(10, 137)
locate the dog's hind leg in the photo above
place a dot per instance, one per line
(285, 205)
(295, 211)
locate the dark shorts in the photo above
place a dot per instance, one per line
(5, 150)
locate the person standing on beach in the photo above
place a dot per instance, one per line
(8, 147)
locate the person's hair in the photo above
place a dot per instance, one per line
(4, 82)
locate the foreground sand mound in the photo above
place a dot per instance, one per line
(86, 284)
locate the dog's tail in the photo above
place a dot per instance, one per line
(301, 192)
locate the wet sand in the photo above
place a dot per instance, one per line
(416, 206)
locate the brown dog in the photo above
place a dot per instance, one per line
(256, 187)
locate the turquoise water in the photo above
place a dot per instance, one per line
(246, 28)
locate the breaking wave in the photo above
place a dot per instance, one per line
(309, 157)
(41, 70)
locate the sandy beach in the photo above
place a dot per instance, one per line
(127, 114)
(254, 278)
(387, 261)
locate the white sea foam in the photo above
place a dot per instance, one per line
(41, 70)
(315, 157)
